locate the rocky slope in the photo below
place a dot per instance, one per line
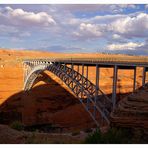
(132, 111)
(12, 136)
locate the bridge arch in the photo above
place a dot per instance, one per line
(32, 76)
(79, 85)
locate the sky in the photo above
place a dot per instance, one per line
(75, 28)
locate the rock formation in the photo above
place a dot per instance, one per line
(132, 111)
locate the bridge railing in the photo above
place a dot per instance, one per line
(136, 60)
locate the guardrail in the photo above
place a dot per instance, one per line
(139, 61)
(127, 59)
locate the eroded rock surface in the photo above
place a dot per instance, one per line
(132, 111)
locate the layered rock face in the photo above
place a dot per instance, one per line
(132, 111)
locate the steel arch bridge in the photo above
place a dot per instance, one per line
(95, 102)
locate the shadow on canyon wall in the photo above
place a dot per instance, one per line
(46, 103)
(37, 104)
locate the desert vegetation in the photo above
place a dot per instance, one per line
(116, 136)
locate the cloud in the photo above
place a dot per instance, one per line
(15, 40)
(12, 31)
(117, 27)
(18, 24)
(125, 46)
(23, 18)
(25, 34)
(87, 30)
(8, 29)
(116, 36)
(106, 18)
(62, 48)
(139, 49)
(126, 26)
(146, 6)
(130, 27)
(133, 6)
(114, 8)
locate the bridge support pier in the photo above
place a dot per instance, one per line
(88, 101)
(72, 67)
(78, 69)
(144, 76)
(87, 72)
(114, 86)
(82, 81)
(64, 67)
(97, 79)
(97, 88)
(86, 75)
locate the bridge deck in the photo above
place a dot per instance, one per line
(104, 62)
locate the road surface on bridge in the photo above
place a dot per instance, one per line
(135, 61)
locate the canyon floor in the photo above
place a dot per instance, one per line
(50, 101)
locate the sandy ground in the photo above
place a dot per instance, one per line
(51, 102)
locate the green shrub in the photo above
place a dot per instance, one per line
(17, 125)
(113, 136)
(116, 136)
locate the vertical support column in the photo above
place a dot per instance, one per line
(78, 69)
(86, 75)
(88, 101)
(97, 80)
(82, 80)
(72, 67)
(77, 79)
(114, 86)
(68, 77)
(64, 67)
(143, 76)
(64, 71)
(87, 72)
(82, 71)
(97, 88)
(134, 85)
